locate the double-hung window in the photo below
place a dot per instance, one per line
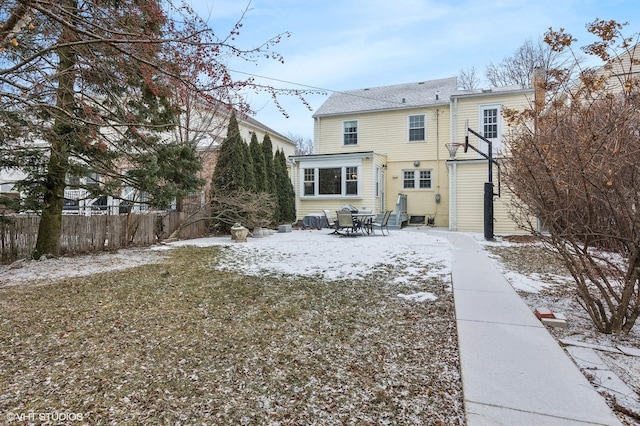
(416, 179)
(351, 181)
(417, 129)
(350, 132)
(491, 127)
(309, 181)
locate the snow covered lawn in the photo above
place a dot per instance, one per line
(296, 328)
(300, 327)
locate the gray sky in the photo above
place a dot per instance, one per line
(353, 44)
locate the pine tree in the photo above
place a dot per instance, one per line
(94, 89)
(284, 190)
(259, 165)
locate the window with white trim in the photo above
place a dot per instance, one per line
(490, 123)
(416, 179)
(417, 129)
(324, 181)
(309, 181)
(351, 181)
(350, 132)
(330, 181)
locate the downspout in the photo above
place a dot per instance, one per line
(454, 199)
(316, 144)
(453, 176)
(296, 188)
(374, 176)
(435, 214)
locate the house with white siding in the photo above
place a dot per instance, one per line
(206, 127)
(386, 148)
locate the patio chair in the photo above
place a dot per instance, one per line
(346, 223)
(383, 224)
(331, 221)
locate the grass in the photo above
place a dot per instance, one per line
(182, 342)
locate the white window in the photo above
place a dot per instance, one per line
(309, 181)
(351, 181)
(417, 130)
(416, 179)
(327, 181)
(490, 119)
(350, 132)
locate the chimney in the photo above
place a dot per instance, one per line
(538, 84)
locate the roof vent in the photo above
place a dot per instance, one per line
(421, 82)
(366, 89)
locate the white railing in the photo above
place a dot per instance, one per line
(401, 209)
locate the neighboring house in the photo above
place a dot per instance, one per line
(208, 129)
(209, 145)
(384, 148)
(622, 71)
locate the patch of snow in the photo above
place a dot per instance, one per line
(410, 254)
(27, 271)
(419, 297)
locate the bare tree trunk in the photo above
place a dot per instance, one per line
(49, 229)
(48, 242)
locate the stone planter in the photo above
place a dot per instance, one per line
(239, 233)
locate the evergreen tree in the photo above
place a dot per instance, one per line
(267, 149)
(92, 87)
(229, 174)
(249, 175)
(259, 165)
(284, 190)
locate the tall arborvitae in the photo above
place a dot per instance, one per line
(229, 174)
(284, 190)
(267, 149)
(259, 165)
(249, 174)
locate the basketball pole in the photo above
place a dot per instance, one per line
(488, 186)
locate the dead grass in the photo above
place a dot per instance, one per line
(183, 343)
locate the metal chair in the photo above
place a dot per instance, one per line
(346, 223)
(383, 224)
(331, 222)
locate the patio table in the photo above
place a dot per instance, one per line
(364, 221)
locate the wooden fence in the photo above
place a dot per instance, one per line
(90, 234)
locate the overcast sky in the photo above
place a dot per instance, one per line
(352, 44)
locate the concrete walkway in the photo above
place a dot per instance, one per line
(513, 371)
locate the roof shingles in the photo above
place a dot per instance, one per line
(400, 96)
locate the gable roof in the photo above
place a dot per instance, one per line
(400, 96)
(252, 122)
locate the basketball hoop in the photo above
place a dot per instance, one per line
(453, 148)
